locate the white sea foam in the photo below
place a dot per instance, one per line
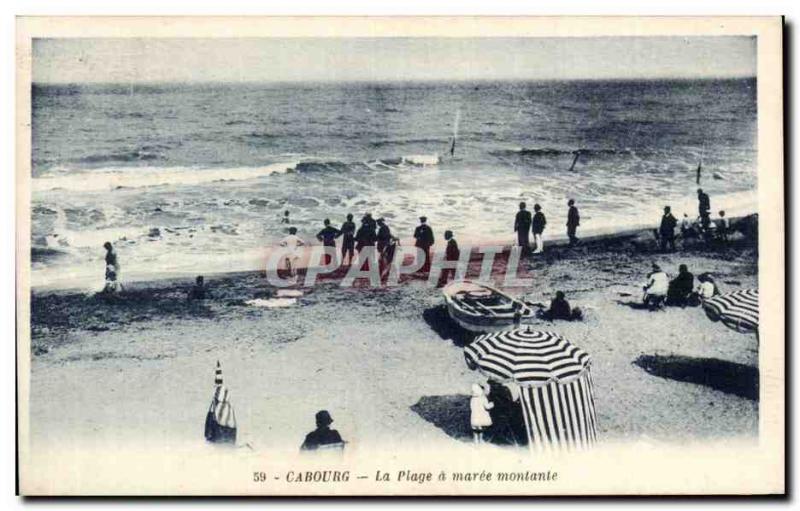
(110, 178)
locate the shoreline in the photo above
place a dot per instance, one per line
(642, 232)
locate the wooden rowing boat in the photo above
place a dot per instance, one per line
(482, 308)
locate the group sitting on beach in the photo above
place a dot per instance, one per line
(680, 291)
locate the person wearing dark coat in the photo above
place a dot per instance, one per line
(559, 308)
(522, 224)
(666, 231)
(681, 287)
(537, 227)
(348, 233)
(704, 209)
(451, 253)
(423, 239)
(323, 435)
(328, 236)
(508, 423)
(384, 235)
(370, 221)
(365, 236)
(573, 221)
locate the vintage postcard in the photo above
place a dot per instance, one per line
(400, 256)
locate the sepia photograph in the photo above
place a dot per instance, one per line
(469, 257)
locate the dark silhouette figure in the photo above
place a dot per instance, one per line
(365, 236)
(452, 253)
(348, 233)
(508, 423)
(323, 435)
(560, 309)
(328, 236)
(198, 291)
(522, 224)
(704, 209)
(666, 230)
(573, 221)
(423, 239)
(681, 287)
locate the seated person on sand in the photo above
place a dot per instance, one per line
(681, 287)
(112, 285)
(198, 291)
(560, 309)
(655, 291)
(322, 437)
(706, 288)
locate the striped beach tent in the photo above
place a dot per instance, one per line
(220, 424)
(556, 388)
(737, 310)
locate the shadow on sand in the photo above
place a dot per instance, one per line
(728, 377)
(440, 322)
(450, 413)
(634, 304)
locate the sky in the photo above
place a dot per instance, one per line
(390, 59)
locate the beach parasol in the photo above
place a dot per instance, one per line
(737, 310)
(556, 388)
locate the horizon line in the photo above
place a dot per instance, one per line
(418, 80)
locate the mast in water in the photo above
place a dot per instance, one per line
(455, 133)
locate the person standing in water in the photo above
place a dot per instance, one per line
(522, 224)
(537, 226)
(292, 242)
(112, 269)
(348, 232)
(573, 221)
(328, 236)
(423, 240)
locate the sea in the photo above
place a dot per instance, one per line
(190, 178)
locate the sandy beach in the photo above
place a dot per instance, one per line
(387, 363)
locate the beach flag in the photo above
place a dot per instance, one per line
(556, 388)
(220, 424)
(737, 310)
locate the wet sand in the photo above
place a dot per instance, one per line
(387, 363)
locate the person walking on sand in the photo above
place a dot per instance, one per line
(537, 227)
(323, 436)
(423, 240)
(348, 233)
(666, 231)
(292, 242)
(655, 291)
(479, 406)
(451, 253)
(522, 224)
(328, 236)
(573, 221)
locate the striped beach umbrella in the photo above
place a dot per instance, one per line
(737, 310)
(556, 388)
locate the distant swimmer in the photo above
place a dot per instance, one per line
(575, 160)
(285, 217)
